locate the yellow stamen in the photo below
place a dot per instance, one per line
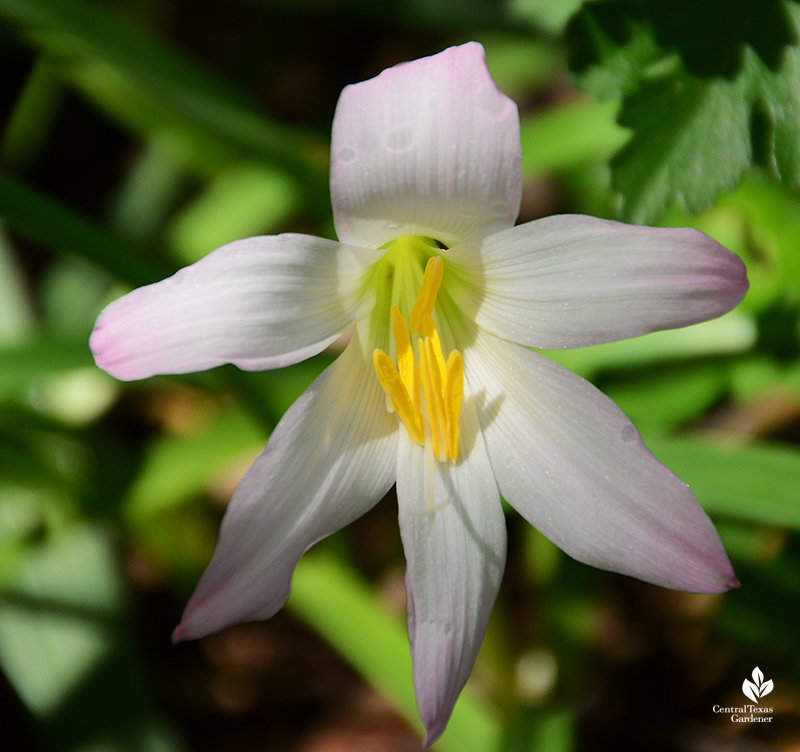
(426, 298)
(401, 400)
(430, 333)
(442, 383)
(406, 365)
(453, 394)
(434, 398)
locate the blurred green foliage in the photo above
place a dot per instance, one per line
(141, 134)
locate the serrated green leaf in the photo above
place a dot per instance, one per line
(691, 140)
(710, 35)
(611, 44)
(711, 88)
(614, 41)
(695, 137)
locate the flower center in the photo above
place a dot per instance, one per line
(435, 417)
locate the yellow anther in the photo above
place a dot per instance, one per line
(429, 331)
(453, 394)
(401, 400)
(406, 365)
(426, 298)
(433, 385)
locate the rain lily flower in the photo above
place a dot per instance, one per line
(437, 391)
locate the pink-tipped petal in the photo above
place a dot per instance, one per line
(330, 459)
(429, 147)
(573, 281)
(263, 302)
(570, 461)
(454, 537)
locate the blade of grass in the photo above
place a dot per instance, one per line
(753, 483)
(77, 28)
(45, 221)
(33, 115)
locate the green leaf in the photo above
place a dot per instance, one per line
(75, 28)
(733, 333)
(332, 597)
(151, 188)
(23, 364)
(33, 115)
(754, 544)
(16, 310)
(245, 200)
(691, 139)
(45, 221)
(611, 44)
(711, 88)
(53, 615)
(753, 483)
(694, 137)
(569, 134)
(78, 397)
(773, 226)
(183, 140)
(710, 35)
(551, 15)
(669, 396)
(178, 467)
(615, 40)
(549, 730)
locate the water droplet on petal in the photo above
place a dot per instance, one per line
(392, 225)
(629, 434)
(347, 154)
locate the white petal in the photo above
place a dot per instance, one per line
(331, 458)
(573, 281)
(570, 461)
(264, 302)
(429, 147)
(453, 531)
